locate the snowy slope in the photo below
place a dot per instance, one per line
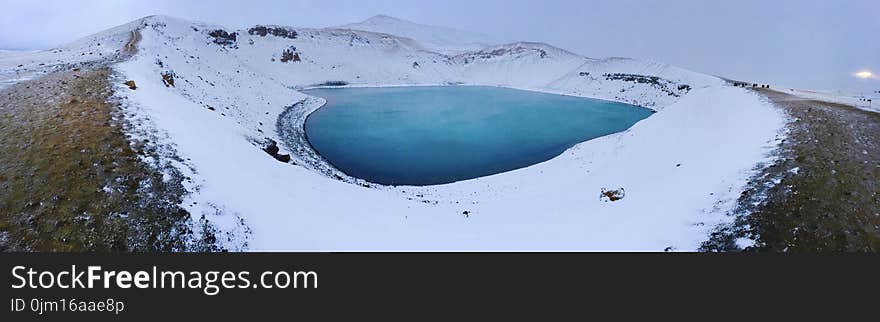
(105, 46)
(364, 58)
(604, 81)
(681, 167)
(434, 38)
(18, 65)
(840, 97)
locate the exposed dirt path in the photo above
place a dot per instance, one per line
(823, 192)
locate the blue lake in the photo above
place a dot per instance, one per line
(435, 135)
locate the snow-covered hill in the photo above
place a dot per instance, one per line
(440, 39)
(103, 46)
(681, 167)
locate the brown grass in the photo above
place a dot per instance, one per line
(70, 181)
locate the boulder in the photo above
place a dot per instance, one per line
(223, 38)
(283, 157)
(271, 147)
(612, 195)
(168, 79)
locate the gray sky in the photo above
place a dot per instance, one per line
(816, 44)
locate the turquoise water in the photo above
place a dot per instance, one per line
(434, 135)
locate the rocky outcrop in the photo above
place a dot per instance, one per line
(669, 87)
(168, 79)
(290, 54)
(271, 148)
(223, 38)
(282, 32)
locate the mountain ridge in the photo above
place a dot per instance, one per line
(436, 38)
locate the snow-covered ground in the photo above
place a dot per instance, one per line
(839, 97)
(681, 168)
(446, 40)
(18, 66)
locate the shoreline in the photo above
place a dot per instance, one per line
(290, 125)
(527, 89)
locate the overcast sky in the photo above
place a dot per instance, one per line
(815, 44)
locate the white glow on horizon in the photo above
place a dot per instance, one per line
(865, 74)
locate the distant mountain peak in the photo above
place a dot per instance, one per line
(432, 37)
(381, 17)
(389, 21)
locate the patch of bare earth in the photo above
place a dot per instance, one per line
(70, 180)
(823, 192)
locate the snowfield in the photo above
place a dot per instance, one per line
(16, 66)
(445, 40)
(681, 168)
(838, 97)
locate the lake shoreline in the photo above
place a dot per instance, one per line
(292, 122)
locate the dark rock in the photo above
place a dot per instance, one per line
(290, 54)
(223, 38)
(168, 79)
(612, 195)
(271, 147)
(131, 84)
(283, 157)
(333, 83)
(262, 31)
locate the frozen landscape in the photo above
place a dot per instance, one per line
(212, 101)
